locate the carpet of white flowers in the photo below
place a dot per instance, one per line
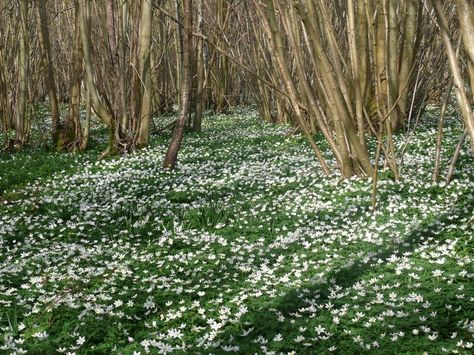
(245, 248)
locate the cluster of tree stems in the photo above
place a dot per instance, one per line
(340, 70)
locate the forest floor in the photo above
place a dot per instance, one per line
(245, 248)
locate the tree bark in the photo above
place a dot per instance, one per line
(408, 54)
(20, 132)
(200, 73)
(99, 107)
(278, 53)
(463, 100)
(48, 69)
(465, 10)
(74, 121)
(178, 132)
(145, 69)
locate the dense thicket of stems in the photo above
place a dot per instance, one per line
(347, 69)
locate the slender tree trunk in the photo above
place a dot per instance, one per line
(465, 10)
(362, 41)
(21, 122)
(3, 100)
(408, 54)
(463, 100)
(455, 157)
(73, 124)
(48, 69)
(391, 62)
(439, 136)
(179, 48)
(178, 132)
(221, 73)
(86, 132)
(356, 71)
(200, 73)
(124, 19)
(111, 31)
(99, 107)
(145, 69)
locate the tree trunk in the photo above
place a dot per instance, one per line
(277, 52)
(178, 132)
(100, 109)
(391, 62)
(145, 69)
(465, 10)
(20, 133)
(355, 54)
(464, 102)
(408, 54)
(73, 124)
(200, 73)
(124, 20)
(48, 69)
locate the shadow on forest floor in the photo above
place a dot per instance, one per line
(264, 321)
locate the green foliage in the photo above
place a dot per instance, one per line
(245, 248)
(206, 217)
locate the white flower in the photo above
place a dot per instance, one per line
(299, 338)
(149, 304)
(319, 329)
(80, 341)
(175, 333)
(278, 337)
(40, 335)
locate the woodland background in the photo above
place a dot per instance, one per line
(246, 176)
(347, 69)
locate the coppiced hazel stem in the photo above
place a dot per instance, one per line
(439, 135)
(178, 132)
(99, 108)
(21, 120)
(461, 94)
(339, 71)
(455, 157)
(145, 73)
(48, 69)
(278, 53)
(199, 71)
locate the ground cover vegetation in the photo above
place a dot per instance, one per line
(211, 176)
(245, 248)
